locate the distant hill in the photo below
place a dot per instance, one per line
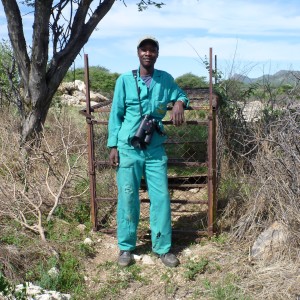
(281, 77)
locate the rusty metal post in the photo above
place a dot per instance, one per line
(90, 144)
(214, 162)
(210, 153)
(216, 70)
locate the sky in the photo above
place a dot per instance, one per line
(252, 38)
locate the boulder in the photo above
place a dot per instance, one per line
(74, 94)
(269, 242)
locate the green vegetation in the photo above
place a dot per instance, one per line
(69, 277)
(9, 77)
(190, 80)
(118, 279)
(9, 291)
(196, 267)
(170, 286)
(226, 290)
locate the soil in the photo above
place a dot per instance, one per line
(209, 269)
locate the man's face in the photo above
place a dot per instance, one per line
(147, 54)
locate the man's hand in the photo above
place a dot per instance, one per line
(177, 113)
(114, 157)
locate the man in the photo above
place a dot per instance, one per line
(137, 150)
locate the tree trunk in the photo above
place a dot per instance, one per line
(41, 78)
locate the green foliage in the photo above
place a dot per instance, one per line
(69, 277)
(60, 212)
(81, 186)
(8, 71)
(225, 290)
(190, 80)
(270, 114)
(12, 239)
(170, 286)
(82, 212)
(101, 80)
(86, 250)
(220, 239)
(229, 187)
(62, 231)
(12, 233)
(9, 291)
(118, 279)
(142, 5)
(195, 267)
(28, 3)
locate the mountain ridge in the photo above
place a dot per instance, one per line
(280, 77)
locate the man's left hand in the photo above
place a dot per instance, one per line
(177, 113)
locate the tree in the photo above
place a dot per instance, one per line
(190, 80)
(40, 72)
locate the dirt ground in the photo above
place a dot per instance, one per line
(209, 269)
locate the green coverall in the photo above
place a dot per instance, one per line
(134, 163)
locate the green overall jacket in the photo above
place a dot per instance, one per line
(125, 116)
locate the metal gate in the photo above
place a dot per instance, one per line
(191, 150)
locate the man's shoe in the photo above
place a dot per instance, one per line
(170, 260)
(125, 258)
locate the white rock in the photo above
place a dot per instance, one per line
(137, 257)
(187, 252)
(80, 85)
(269, 241)
(81, 227)
(110, 246)
(35, 292)
(88, 241)
(147, 260)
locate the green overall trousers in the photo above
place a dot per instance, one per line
(152, 165)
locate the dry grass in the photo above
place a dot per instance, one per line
(260, 183)
(269, 177)
(34, 185)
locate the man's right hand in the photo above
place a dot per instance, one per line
(114, 157)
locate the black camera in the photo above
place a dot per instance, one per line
(144, 134)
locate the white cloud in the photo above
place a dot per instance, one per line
(238, 30)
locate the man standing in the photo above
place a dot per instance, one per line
(136, 140)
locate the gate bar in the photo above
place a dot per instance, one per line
(210, 187)
(90, 144)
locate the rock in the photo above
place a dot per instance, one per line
(80, 86)
(74, 94)
(67, 88)
(147, 260)
(81, 227)
(137, 257)
(194, 190)
(35, 292)
(88, 241)
(269, 242)
(69, 100)
(79, 96)
(187, 252)
(252, 111)
(97, 97)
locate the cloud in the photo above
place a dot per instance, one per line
(237, 30)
